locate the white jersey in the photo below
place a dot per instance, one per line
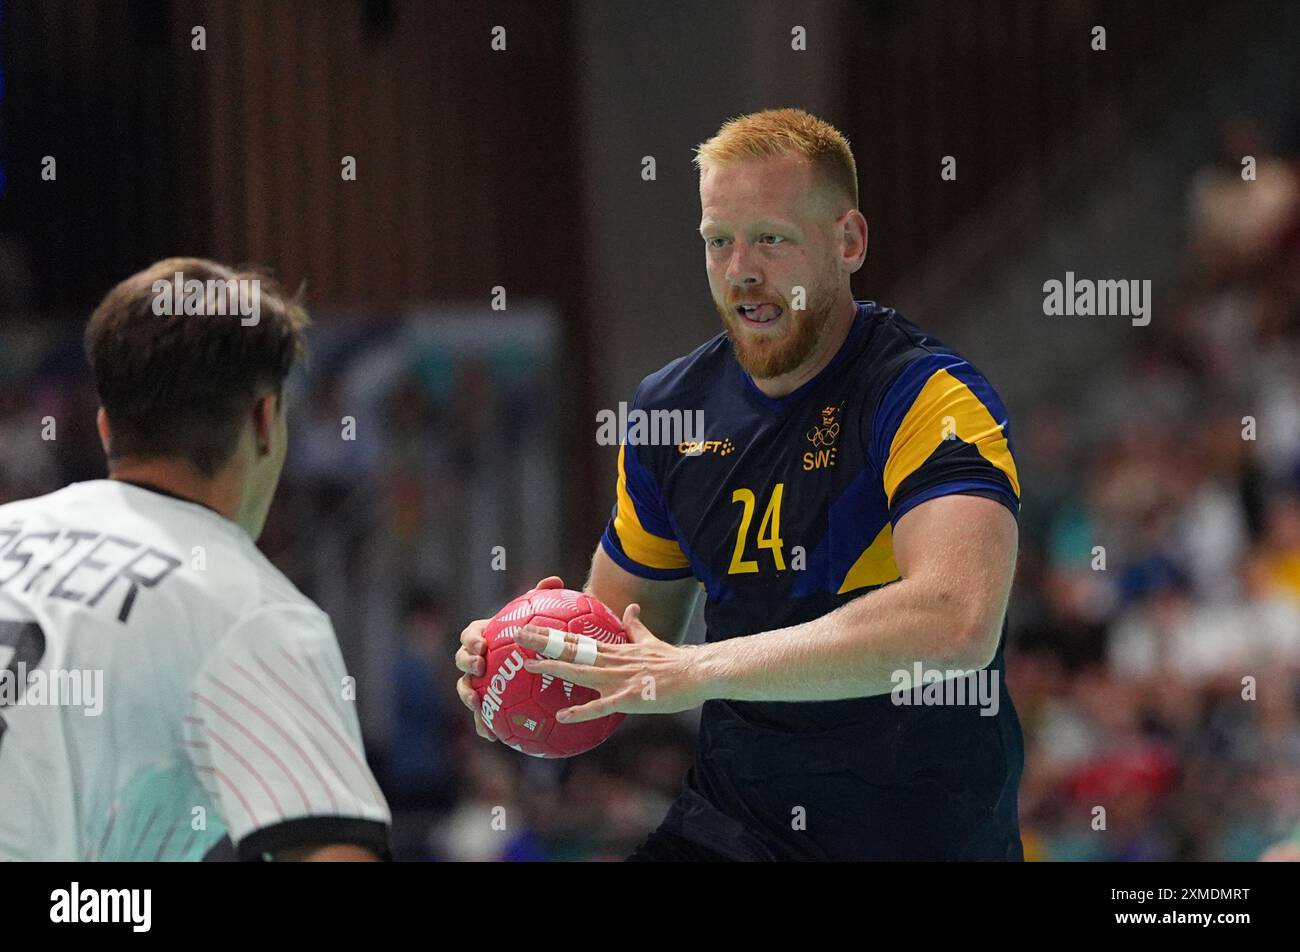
(165, 690)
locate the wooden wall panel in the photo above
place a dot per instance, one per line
(465, 172)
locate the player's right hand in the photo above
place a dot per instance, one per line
(470, 659)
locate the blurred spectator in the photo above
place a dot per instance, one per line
(419, 771)
(1237, 223)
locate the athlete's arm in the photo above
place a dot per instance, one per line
(666, 606)
(956, 555)
(273, 735)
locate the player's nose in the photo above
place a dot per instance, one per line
(742, 270)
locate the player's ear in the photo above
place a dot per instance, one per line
(265, 411)
(105, 435)
(854, 233)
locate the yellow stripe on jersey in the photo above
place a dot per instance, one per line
(639, 545)
(945, 405)
(875, 566)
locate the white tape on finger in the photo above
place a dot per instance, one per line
(588, 648)
(554, 643)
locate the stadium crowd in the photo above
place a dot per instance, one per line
(1155, 647)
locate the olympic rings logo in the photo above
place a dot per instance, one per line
(824, 435)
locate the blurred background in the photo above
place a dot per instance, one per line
(474, 471)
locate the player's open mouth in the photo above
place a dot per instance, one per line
(758, 314)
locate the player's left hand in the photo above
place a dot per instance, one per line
(644, 676)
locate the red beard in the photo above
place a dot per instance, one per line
(764, 357)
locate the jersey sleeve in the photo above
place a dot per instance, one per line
(941, 429)
(640, 536)
(274, 737)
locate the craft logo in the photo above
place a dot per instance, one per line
(700, 447)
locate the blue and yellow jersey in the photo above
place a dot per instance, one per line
(783, 509)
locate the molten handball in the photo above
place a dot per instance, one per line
(519, 706)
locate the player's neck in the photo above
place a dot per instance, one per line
(837, 330)
(181, 479)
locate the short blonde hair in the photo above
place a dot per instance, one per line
(785, 132)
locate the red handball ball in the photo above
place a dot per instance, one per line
(519, 706)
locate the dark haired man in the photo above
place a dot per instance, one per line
(169, 694)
